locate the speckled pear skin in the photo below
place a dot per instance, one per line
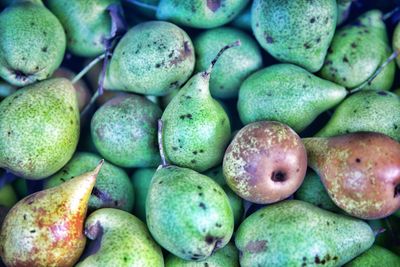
(87, 24)
(313, 191)
(288, 94)
(375, 256)
(39, 128)
(199, 13)
(396, 42)
(188, 213)
(227, 256)
(113, 187)
(360, 171)
(196, 127)
(297, 32)
(46, 228)
(119, 239)
(357, 50)
(368, 110)
(29, 56)
(124, 131)
(296, 233)
(242, 61)
(152, 58)
(141, 180)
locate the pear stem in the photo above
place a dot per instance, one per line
(87, 68)
(90, 104)
(210, 68)
(164, 162)
(377, 72)
(390, 13)
(143, 5)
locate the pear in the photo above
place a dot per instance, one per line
(6, 89)
(242, 61)
(196, 127)
(343, 11)
(141, 180)
(297, 32)
(288, 94)
(46, 228)
(225, 257)
(113, 187)
(39, 128)
(119, 239)
(296, 233)
(396, 42)
(8, 196)
(368, 110)
(243, 20)
(199, 13)
(360, 171)
(152, 58)
(357, 51)
(375, 256)
(265, 162)
(27, 56)
(124, 131)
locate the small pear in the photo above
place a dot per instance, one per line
(296, 233)
(288, 94)
(141, 180)
(119, 239)
(360, 171)
(243, 20)
(375, 256)
(152, 58)
(46, 228)
(196, 127)
(39, 128)
(297, 32)
(32, 42)
(8, 196)
(396, 42)
(368, 110)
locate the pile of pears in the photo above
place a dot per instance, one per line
(199, 133)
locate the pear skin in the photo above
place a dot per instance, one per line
(46, 228)
(375, 256)
(360, 171)
(396, 42)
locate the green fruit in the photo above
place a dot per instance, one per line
(152, 58)
(141, 180)
(396, 42)
(243, 20)
(124, 131)
(39, 128)
(217, 175)
(86, 31)
(343, 10)
(32, 43)
(225, 257)
(313, 191)
(8, 197)
(288, 94)
(368, 110)
(188, 213)
(198, 13)
(296, 233)
(242, 61)
(113, 188)
(375, 256)
(6, 89)
(297, 32)
(119, 239)
(357, 51)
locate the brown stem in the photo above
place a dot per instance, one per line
(164, 162)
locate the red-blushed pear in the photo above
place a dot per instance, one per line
(360, 171)
(46, 228)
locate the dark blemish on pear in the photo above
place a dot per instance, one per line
(382, 93)
(317, 260)
(358, 160)
(214, 5)
(278, 176)
(199, 187)
(202, 205)
(345, 59)
(256, 246)
(44, 49)
(206, 264)
(193, 161)
(312, 20)
(218, 225)
(270, 40)
(174, 148)
(24, 216)
(103, 196)
(353, 45)
(194, 152)
(32, 231)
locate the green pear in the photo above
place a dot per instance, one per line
(46, 228)
(21, 187)
(243, 20)
(360, 171)
(8, 196)
(32, 42)
(152, 58)
(113, 187)
(357, 51)
(198, 13)
(396, 42)
(119, 239)
(313, 191)
(368, 110)
(141, 180)
(6, 89)
(375, 256)
(86, 31)
(242, 61)
(228, 256)
(343, 10)
(124, 131)
(196, 127)
(39, 128)
(297, 32)
(296, 233)
(288, 94)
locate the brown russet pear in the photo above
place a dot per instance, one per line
(46, 228)
(360, 171)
